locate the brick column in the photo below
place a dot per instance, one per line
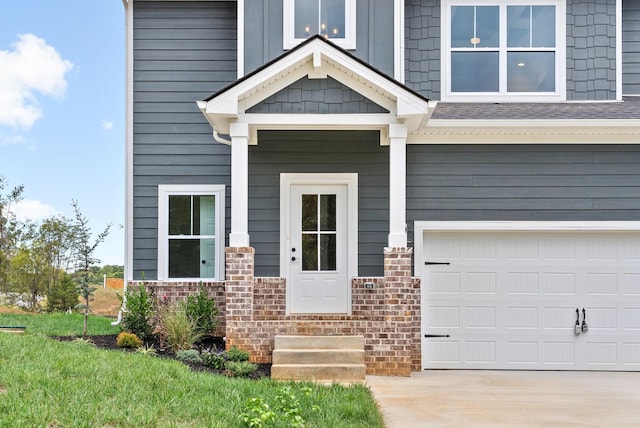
(399, 303)
(239, 294)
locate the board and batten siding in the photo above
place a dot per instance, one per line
(523, 183)
(318, 152)
(264, 36)
(183, 52)
(631, 47)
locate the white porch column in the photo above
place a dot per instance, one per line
(239, 236)
(397, 185)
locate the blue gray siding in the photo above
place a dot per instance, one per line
(374, 37)
(313, 96)
(591, 50)
(497, 182)
(631, 47)
(422, 47)
(183, 52)
(322, 152)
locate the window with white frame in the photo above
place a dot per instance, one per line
(332, 19)
(191, 231)
(505, 49)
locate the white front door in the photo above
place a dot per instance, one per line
(511, 300)
(319, 279)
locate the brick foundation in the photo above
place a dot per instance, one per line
(252, 311)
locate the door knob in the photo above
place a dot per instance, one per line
(204, 262)
(293, 259)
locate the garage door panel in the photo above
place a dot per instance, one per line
(509, 300)
(523, 318)
(631, 284)
(631, 354)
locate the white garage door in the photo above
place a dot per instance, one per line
(508, 300)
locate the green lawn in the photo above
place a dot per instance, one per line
(44, 382)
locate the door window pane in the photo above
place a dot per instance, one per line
(474, 72)
(531, 72)
(309, 252)
(328, 212)
(309, 212)
(328, 252)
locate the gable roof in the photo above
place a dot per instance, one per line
(315, 58)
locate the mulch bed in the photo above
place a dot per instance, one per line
(208, 344)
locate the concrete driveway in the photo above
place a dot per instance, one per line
(452, 398)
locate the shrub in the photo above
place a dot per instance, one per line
(139, 312)
(146, 350)
(238, 355)
(239, 368)
(201, 309)
(177, 328)
(128, 340)
(189, 356)
(215, 360)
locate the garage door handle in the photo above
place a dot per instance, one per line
(436, 335)
(436, 263)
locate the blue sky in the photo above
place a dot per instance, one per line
(62, 111)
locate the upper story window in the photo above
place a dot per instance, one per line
(504, 50)
(190, 232)
(333, 19)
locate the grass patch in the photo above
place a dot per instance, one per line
(51, 383)
(59, 324)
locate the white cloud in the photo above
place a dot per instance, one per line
(31, 67)
(32, 210)
(9, 140)
(107, 125)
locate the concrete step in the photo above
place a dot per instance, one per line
(319, 342)
(318, 356)
(319, 372)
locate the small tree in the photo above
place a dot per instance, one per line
(84, 255)
(10, 230)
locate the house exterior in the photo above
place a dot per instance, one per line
(457, 181)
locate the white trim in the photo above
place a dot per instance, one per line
(288, 26)
(128, 230)
(560, 50)
(619, 50)
(239, 236)
(240, 39)
(420, 227)
(164, 190)
(397, 186)
(229, 106)
(289, 179)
